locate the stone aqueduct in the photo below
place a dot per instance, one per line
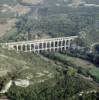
(51, 44)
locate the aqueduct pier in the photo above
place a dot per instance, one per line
(39, 45)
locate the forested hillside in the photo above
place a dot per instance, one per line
(48, 79)
(54, 21)
(67, 75)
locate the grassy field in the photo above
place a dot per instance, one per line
(93, 69)
(79, 63)
(26, 66)
(5, 28)
(6, 15)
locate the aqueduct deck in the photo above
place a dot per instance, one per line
(39, 45)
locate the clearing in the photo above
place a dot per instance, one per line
(90, 67)
(78, 63)
(4, 28)
(25, 66)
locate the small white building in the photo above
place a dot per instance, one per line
(22, 83)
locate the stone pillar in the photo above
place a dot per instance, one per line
(46, 45)
(61, 45)
(42, 46)
(26, 48)
(38, 47)
(21, 46)
(17, 48)
(34, 47)
(65, 45)
(69, 44)
(58, 45)
(30, 47)
(53, 45)
(50, 46)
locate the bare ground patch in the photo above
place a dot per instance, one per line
(4, 28)
(21, 9)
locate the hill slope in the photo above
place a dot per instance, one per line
(25, 66)
(45, 77)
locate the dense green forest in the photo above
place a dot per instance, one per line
(56, 21)
(55, 26)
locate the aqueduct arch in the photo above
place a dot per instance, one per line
(51, 44)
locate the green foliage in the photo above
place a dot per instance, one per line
(58, 57)
(52, 26)
(57, 26)
(91, 66)
(61, 87)
(71, 72)
(65, 87)
(78, 61)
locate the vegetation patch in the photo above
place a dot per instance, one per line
(84, 67)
